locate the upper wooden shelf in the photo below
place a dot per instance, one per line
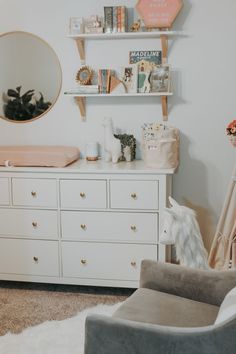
(124, 35)
(163, 35)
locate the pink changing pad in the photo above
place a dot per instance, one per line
(36, 155)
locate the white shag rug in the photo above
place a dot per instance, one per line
(53, 337)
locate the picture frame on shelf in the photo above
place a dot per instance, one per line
(84, 75)
(144, 85)
(129, 76)
(93, 24)
(76, 25)
(160, 79)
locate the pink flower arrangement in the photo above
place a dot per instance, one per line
(231, 128)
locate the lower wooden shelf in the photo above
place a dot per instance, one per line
(81, 100)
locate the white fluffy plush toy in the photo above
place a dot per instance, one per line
(112, 145)
(180, 228)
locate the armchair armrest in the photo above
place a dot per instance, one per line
(200, 285)
(106, 335)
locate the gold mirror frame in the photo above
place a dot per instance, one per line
(55, 98)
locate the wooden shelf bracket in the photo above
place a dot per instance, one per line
(80, 46)
(164, 46)
(164, 101)
(81, 104)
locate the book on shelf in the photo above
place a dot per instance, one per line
(147, 61)
(104, 78)
(80, 89)
(115, 19)
(108, 19)
(123, 19)
(147, 58)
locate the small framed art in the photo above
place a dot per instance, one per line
(76, 25)
(160, 79)
(129, 76)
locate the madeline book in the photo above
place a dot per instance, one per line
(147, 61)
(147, 58)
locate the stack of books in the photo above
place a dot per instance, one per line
(83, 89)
(115, 19)
(104, 78)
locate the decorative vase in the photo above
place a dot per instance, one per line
(232, 139)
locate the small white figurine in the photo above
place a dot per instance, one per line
(180, 228)
(118, 147)
(112, 145)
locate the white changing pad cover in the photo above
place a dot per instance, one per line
(37, 155)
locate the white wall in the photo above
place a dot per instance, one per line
(204, 101)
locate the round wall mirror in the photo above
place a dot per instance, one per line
(30, 75)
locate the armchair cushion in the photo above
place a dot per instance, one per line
(228, 307)
(151, 306)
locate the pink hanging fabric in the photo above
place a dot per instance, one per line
(223, 250)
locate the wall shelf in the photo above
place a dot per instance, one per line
(80, 40)
(81, 99)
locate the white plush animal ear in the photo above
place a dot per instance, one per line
(171, 212)
(173, 203)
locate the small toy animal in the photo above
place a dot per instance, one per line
(135, 27)
(119, 147)
(180, 228)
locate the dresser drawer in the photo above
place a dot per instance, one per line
(34, 192)
(105, 261)
(29, 257)
(113, 227)
(83, 194)
(134, 194)
(4, 191)
(29, 223)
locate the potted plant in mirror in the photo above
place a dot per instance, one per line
(231, 132)
(24, 107)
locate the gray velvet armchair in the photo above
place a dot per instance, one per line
(173, 312)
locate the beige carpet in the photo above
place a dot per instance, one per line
(23, 305)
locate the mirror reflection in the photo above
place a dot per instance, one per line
(30, 75)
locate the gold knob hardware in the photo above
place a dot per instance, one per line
(133, 227)
(34, 194)
(82, 194)
(133, 264)
(35, 259)
(83, 226)
(34, 224)
(133, 195)
(83, 261)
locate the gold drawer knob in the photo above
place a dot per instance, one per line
(82, 194)
(34, 194)
(83, 226)
(36, 260)
(133, 263)
(133, 227)
(83, 261)
(134, 195)
(35, 224)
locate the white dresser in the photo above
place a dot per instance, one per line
(90, 223)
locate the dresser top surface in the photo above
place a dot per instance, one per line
(100, 166)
